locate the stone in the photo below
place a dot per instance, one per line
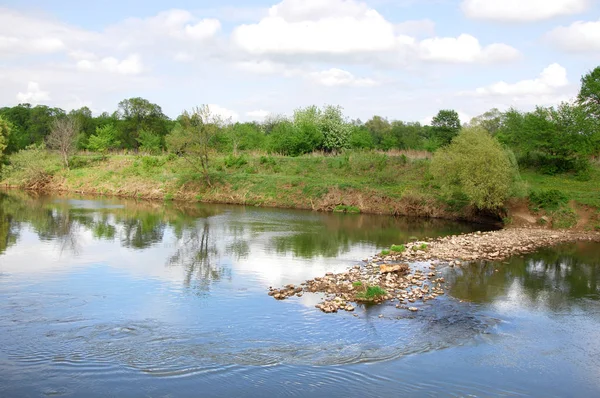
(413, 309)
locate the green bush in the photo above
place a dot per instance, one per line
(550, 199)
(371, 293)
(476, 165)
(232, 161)
(398, 248)
(564, 218)
(32, 167)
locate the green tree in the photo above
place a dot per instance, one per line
(149, 142)
(309, 134)
(445, 126)
(490, 121)
(589, 94)
(336, 131)
(476, 165)
(379, 128)
(138, 114)
(5, 130)
(191, 138)
(104, 139)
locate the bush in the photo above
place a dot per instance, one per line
(32, 167)
(398, 248)
(235, 161)
(550, 199)
(476, 165)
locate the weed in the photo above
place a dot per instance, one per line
(564, 218)
(346, 209)
(357, 284)
(385, 252)
(398, 248)
(550, 199)
(371, 293)
(232, 161)
(168, 197)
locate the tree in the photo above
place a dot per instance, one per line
(5, 129)
(336, 131)
(104, 139)
(63, 137)
(490, 121)
(476, 165)
(149, 142)
(379, 128)
(191, 138)
(446, 125)
(137, 114)
(589, 94)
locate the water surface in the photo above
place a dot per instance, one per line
(110, 297)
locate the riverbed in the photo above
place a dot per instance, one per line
(112, 297)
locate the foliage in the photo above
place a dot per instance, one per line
(550, 199)
(491, 121)
(32, 167)
(385, 252)
(346, 209)
(137, 115)
(398, 248)
(235, 161)
(589, 94)
(104, 139)
(5, 129)
(564, 218)
(149, 142)
(191, 138)
(476, 165)
(336, 131)
(445, 126)
(371, 293)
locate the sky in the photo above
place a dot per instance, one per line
(400, 59)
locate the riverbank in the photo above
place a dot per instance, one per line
(388, 277)
(355, 182)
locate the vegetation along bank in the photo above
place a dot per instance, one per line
(536, 168)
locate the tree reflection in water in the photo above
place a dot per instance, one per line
(553, 277)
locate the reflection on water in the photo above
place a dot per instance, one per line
(112, 297)
(552, 277)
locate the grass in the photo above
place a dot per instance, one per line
(385, 252)
(584, 192)
(371, 293)
(398, 248)
(353, 182)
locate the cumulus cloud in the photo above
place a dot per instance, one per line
(258, 115)
(578, 37)
(522, 10)
(131, 65)
(338, 77)
(549, 87)
(226, 114)
(350, 30)
(464, 49)
(317, 27)
(33, 95)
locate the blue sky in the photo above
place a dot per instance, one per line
(402, 59)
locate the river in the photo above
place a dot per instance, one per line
(107, 297)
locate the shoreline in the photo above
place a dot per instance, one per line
(393, 275)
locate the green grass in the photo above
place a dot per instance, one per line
(385, 252)
(346, 209)
(584, 192)
(371, 293)
(398, 248)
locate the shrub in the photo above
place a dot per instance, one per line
(150, 142)
(476, 165)
(564, 218)
(371, 293)
(32, 167)
(385, 252)
(235, 161)
(346, 209)
(398, 248)
(550, 199)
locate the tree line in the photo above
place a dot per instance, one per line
(552, 139)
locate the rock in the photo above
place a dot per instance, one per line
(384, 269)
(381, 315)
(413, 309)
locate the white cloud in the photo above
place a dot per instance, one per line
(522, 10)
(338, 77)
(258, 115)
(550, 87)
(317, 27)
(224, 113)
(131, 65)
(464, 49)
(425, 27)
(578, 37)
(33, 95)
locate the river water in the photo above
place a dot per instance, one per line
(103, 297)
